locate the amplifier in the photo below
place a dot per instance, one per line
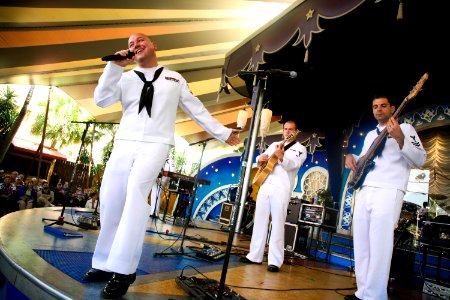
(318, 215)
(226, 213)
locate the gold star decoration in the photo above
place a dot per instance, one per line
(257, 48)
(310, 14)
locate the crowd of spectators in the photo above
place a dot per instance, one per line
(16, 194)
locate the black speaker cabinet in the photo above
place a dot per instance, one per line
(330, 217)
(226, 213)
(181, 186)
(302, 239)
(293, 212)
(290, 236)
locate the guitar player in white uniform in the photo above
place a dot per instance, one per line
(273, 198)
(379, 201)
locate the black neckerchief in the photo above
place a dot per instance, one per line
(147, 91)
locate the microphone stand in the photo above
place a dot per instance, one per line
(259, 87)
(60, 221)
(191, 204)
(95, 213)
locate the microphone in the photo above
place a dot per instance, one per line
(117, 56)
(291, 74)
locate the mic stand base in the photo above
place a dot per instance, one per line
(60, 221)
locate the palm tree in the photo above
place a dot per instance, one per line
(15, 126)
(60, 131)
(8, 111)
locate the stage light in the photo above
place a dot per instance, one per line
(242, 118)
(266, 118)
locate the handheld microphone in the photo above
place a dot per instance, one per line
(291, 74)
(117, 56)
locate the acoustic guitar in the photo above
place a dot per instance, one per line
(365, 163)
(266, 168)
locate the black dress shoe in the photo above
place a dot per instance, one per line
(351, 297)
(272, 268)
(245, 260)
(96, 275)
(118, 285)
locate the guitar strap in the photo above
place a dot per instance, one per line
(289, 145)
(381, 147)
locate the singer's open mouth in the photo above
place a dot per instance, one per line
(138, 51)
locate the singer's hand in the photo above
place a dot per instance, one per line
(125, 62)
(233, 139)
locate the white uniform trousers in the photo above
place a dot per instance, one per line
(376, 214)
(271, 200)
(131, 171)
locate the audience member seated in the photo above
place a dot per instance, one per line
(45, 196)
(92, 201)
(54, 180)
(18, 181)
(81, 197)
(66, 188)
(73, 201)
(27, 196)
(59, 195)
(8, 196)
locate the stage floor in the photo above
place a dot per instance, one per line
(43, 265)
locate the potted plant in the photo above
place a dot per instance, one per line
(324, 197)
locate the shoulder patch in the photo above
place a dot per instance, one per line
(172, 79)
(414, 142)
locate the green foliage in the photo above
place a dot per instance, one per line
(180, 161)
(325, 198)
(60, 130)
(84, 156)
(194, 168)
(8, 111)
(106, 152)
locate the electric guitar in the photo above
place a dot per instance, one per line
(266, 168)
(365, 163)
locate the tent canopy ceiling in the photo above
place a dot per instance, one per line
(355, 49)
(60, 43)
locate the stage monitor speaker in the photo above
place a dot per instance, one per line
(302, 239)
(290, 236)
(225, 214)
(330, 217)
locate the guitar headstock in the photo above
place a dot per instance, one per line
(418, 87)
